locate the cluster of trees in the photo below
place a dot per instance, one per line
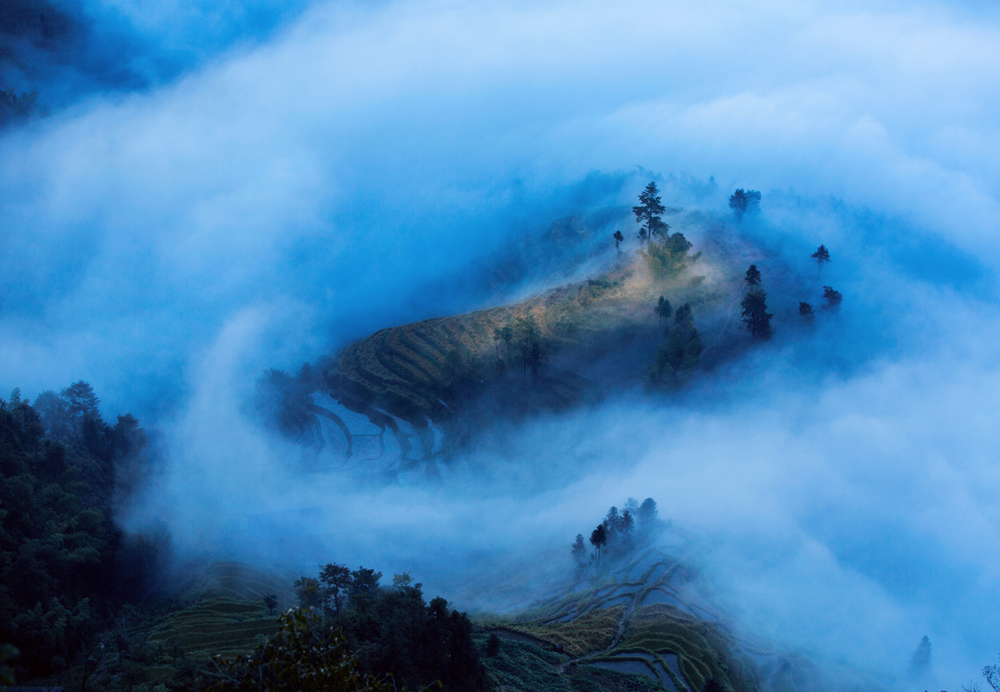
(754, 302)
(392, 630)
(666, 254)
(523, 342)
(618, 534)
(677, 359)
(303, 656)
(831, 297)
(64, 566)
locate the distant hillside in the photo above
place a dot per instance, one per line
(597, 334)
(642, 627)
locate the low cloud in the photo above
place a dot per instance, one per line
(312, 176)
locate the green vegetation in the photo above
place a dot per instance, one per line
(648, 214)
(302, 656)
(64, 566)
(668, 257)
(392, 630)
(833, 298)
(424, 370)
(822, 256)
(754, 305)
(744, 202)
(631, 619)
(211, 627)
(679, 357)
(663, 309)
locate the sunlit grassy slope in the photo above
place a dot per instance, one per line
(412, 371)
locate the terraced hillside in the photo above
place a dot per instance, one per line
(214, 626)
(429, 371)
(644, 624)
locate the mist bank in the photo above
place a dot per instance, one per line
(308, 170)
(837, 481)
(358, 167)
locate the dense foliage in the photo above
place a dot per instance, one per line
(303, 656)
(618, 534)
(393, 631)
(677, 359)
(64, 566)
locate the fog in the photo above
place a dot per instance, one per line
(303, 177)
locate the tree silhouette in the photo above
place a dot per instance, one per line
(677, 358)
(619, 238)
(663, 308)
(647, 213)
(744, 201)
(308, 592)
(755, 314)
(806, 312)
(579, 550)
(752, 278)
(530, 345)
(992, 675)
(647, 513)
(599, 538)
(335, 580)
(832, 298)
(920, 663)
(822, 256)
(507, 336)
(271, 602)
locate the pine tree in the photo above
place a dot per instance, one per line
(755, 314)
(822, 256)
(579, 550)
(648, 213)
(663, 308)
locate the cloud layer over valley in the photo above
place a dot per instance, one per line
(330, 170)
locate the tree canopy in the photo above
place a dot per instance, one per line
(678, 358)
(744, 202)
(755, 314)
(663, 308)
(833, 298)
(619, 238)
(648, 213)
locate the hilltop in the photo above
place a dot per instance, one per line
(417, 390)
